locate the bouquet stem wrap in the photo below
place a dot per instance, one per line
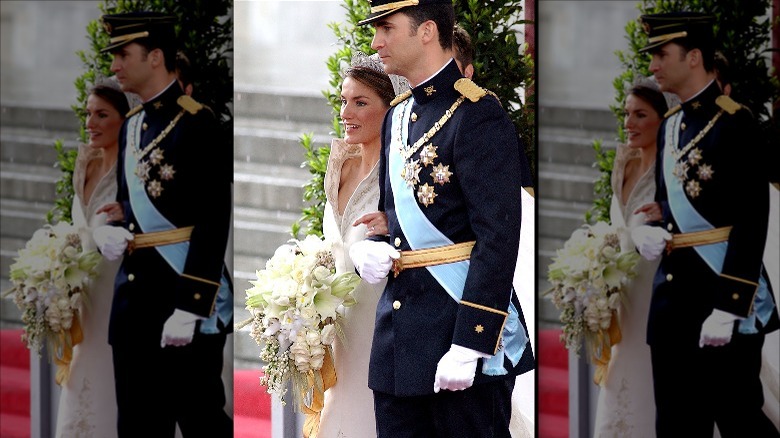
(327, 375)
(602, 354)
(63, 352)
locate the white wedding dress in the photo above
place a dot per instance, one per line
(626, 406)
(349, 404)
(87, 405)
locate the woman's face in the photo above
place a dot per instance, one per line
(362, 112)
(641, 123)
(103, 123)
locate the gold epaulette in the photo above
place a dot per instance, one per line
(401, 97)
(189, 104)
(672, 110)
(728, 104)
(134, 111)
(469, 89)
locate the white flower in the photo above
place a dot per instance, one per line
(588, 276)
(295, 302)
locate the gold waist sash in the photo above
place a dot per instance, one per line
(432, 256)
(158, 238)
(696, 238)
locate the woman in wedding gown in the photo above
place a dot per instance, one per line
(87, 406)
(626, 407)
(352, 190)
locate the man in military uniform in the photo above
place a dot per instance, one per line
(172, 305)
(711, 304)
(449, 337)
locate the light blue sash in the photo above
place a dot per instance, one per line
(420, 233)
(150, 219)
(690, 220)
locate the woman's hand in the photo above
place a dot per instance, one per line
(376, 223)
(652, 212)
(113, 211)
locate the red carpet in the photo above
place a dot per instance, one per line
(553, 381)
(251, 406)
(14, 385)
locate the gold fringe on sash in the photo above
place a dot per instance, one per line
(432, 256)
(158, 238)
(696, 238)
(311, 425)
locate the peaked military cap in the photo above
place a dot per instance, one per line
(664, 28)
(125, 28)
(384, 8)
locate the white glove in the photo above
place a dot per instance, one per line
(650, 241)
(111, 240)
(456, 369)
(179, 328)
(373, 260)
(717, 328)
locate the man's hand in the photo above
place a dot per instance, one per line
(717, 329)
(456, 369)
(373, 260)
(111, 240)
(650, 241)
(179, 328)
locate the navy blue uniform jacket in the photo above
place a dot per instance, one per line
(147, 289)
(685, 289)
(481, 202)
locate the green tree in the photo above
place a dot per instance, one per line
(742, 33)
(500, 63)
(205, 33)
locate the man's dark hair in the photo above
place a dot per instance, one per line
(184, 69)
(722, 69)
(167, 46)
(464, 50)
(440, 13)
(688, 44)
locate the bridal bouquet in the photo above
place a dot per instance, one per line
(297, 303)
(49, 277)
(588, 276)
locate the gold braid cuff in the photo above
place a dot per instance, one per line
(686, 240)
(432, 256)
(158, 238)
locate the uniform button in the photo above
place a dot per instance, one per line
(414, 117)
(397, 242)
(669, 277)
(132, 227)
(130, 277)
(735, 297)
(682, 126)
(669, 227)
(396, 304)
(145, 126)
(196, 296)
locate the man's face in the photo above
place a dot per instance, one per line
(398, 44)
(670, 66)
(132, 66)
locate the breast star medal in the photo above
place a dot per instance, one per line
(425, 194)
